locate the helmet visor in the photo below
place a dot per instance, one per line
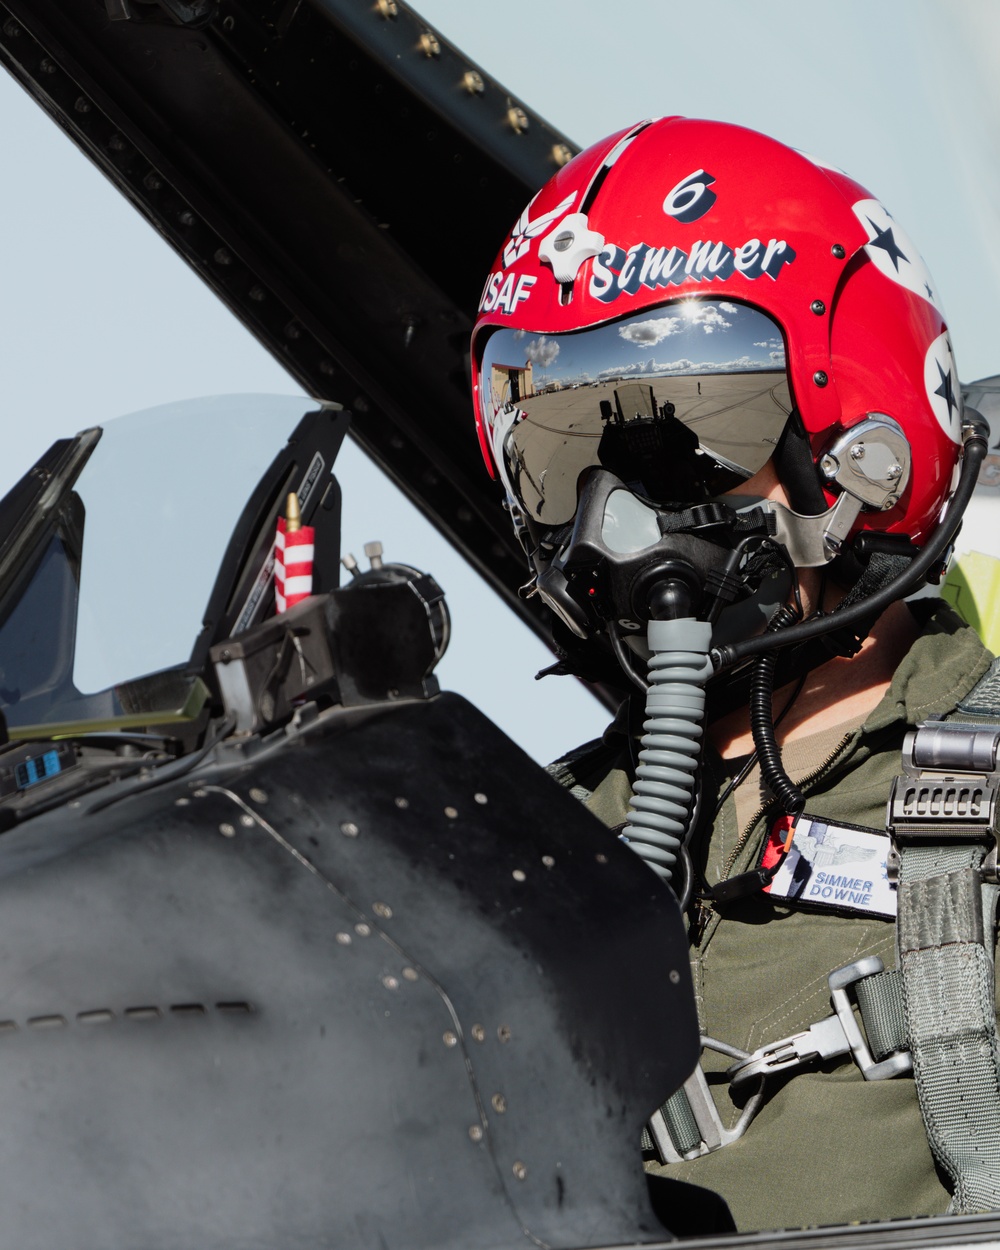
(682, 402)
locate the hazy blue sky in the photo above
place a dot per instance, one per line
(902, 94)
(710, 336)
(98, 317)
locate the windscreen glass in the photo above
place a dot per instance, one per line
(682, 402)
(121, 590)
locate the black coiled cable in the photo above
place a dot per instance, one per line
(976, 447)
(772, 770)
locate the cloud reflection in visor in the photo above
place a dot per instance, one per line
(682, 402)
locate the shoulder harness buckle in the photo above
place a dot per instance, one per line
(947, 792)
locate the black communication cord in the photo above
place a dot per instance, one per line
(976, 447)
(754, 756)
(705, 891)
(762, 726)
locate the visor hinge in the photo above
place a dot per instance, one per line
(870, 461)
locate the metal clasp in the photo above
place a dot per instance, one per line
(948, 790)
(839, 980)
(714, 1134)
(839, 1034)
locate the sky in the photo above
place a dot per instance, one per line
(699, 336)
(902, 94)
(99, 318)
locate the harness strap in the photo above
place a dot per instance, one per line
(945, 935)
(984, 697)
(942, 820)
(937, 1014)
(883, 1011)
(688, 1124)
(680, 1121)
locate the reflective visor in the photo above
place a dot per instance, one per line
(682, 402)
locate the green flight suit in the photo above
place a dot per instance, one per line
(827, 1147)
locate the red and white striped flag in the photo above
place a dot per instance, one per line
(293, 565)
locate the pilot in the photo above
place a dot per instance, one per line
(715, 381)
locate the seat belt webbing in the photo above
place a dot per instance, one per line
(945, 935)
(883, 1011)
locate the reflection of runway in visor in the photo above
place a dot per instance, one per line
(559, 434)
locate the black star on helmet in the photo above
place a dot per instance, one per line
(886, 240)
(945, 390)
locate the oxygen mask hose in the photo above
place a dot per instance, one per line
(664, 799)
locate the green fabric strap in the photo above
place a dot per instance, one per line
(684, 1131)
(945, 936)
(984, 697)
(883, 1012)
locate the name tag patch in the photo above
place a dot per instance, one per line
(840, 867)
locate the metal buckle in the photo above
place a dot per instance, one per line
(839, 1034)
(714, 1134)
(948, 790)
(839, 980)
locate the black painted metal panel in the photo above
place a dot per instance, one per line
(392, 986)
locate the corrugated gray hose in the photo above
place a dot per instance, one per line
(663, 797)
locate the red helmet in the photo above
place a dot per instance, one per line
(768, 272)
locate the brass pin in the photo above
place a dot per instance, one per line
(293, 517)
